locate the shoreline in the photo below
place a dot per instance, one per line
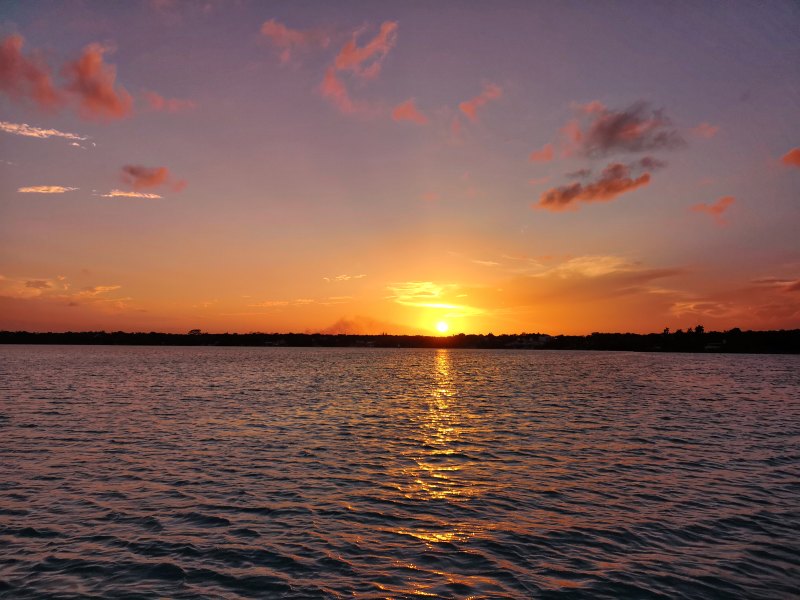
(729, 342)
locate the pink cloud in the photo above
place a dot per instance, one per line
(142, 178)
(93, 81)
(157, 102)
(407, 111)
(366, 61)
(792, 158)
(334, 90)
(706, 130)
(288, 40)
(715, 210)
(544, 154)
(470, 107)
(615, 180)
(25, 78)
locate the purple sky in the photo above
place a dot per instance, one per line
(382, 166)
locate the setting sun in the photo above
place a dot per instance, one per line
(442, 327)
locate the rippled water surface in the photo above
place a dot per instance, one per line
(333, 473)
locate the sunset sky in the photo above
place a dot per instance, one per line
(367, 167)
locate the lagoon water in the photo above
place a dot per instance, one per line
(130, 472)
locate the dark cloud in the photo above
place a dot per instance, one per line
(579, 174)
(639, 128)
(616, 179)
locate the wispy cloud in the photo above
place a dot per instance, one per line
(366, 61)
(283, 303)
(407, 111)
(46, 189)
(792, 158)
(544, 154)
(344, 277)
(123, 194)
(427, 294)
(26, 78)
(616, 179)
(716, 210)
(361, 61)
(159, 103)
(289, 41)
(37, 132)
(705, 130)
(334, 90)
(94, 82)
(470, 107)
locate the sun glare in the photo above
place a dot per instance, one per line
(442, 327)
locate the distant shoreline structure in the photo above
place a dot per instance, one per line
(698, 340)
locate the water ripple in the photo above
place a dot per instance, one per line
(333, 473)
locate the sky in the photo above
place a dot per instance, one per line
(399, 167)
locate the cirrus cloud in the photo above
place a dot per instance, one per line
(46, 189)
(37, 132)
(124, 194)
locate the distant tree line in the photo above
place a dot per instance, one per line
(692, 340)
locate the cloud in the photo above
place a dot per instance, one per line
(407, 111)
(122, 194)
(345, 277)
(157, 102)
(334, 90)
(46, 189)
(282, 303)
(94, 83)
(544, 154)
(288, 40)
(141, 178)
(470, 107)
(792, 158)
(705, 130)
(430, 196)
(615, 180)
(25, 78)
(144, 177)
(426, 294)
(38, 284)
(599, 131)
(91, 292)
(579, 174)
(366, 61)
(715, 210)
(36, 132)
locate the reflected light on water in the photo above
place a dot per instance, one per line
(440, 466)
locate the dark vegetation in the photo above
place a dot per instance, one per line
(692, 340)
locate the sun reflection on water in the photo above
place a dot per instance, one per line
(441, 470)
